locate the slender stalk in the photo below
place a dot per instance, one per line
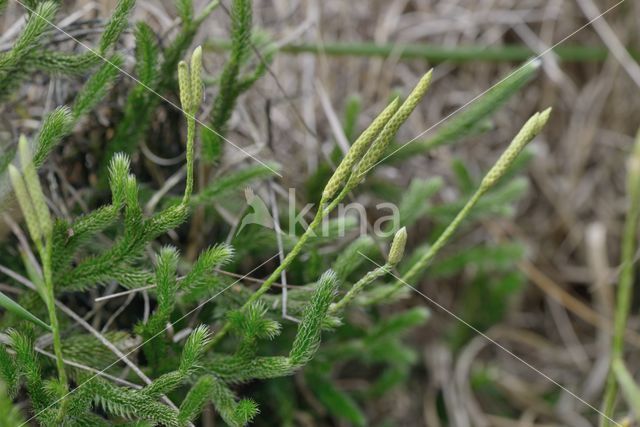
(31, 199)
(46, 256)
(443, 239)
(625, 282)
(206, 12)
(317, 220)
(322, 213)
(352, 169)
(458, 54)
(358, 287)
(266, 285)
(53, 318)
(445, 236)
(191, 131)
(531, 128)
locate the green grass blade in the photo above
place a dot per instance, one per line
(629, 388)
(15, 308)
(435, 53)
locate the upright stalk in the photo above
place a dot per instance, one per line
(45, 255)
(358, 287)
(266, 285)
(361, 157)
(445, 236)
(317, 220)
(625, 282)
(46, 252)
(191, 131)
(443, 239)
(531, 128)
(26, 186)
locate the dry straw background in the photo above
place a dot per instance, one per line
(570, 220)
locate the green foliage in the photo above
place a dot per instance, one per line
(241, 17)
(28, 53)
(139, 104)
(127, 403)
(530, 130)
(233, 80)
(350, 258)
(86, 349)
(234, 413)
(116, 24)
(308, 337)
(56, 125)
(239, 179)
(195, 400)
(9, 414)
(336, 401)
(251, 325)
(96, 87)
(380, 348)
(629, 387)
(14, 64)
(155, 74)
(485, 303)
(166, 286)
(413, 204)
(8, 372)
(64, 64)
(169, 295)
(116, 262)
(60, 122)
(29, 369)
(193, 349)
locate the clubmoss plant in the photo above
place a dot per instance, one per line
(27, 189)
(395, 256)
(359, 168)
(58, 244)
(9, 413)
(473, 116)
(530, 130)
(155, 72)
(234, 78)
(28, 53)
(193, 329)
